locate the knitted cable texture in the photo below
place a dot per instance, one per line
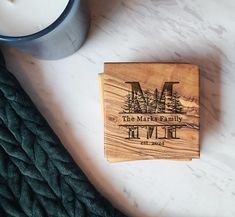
(37, 176)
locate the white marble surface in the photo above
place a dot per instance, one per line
(67, 93)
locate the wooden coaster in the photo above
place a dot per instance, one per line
(151, 111)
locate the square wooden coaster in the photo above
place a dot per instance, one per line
(151, 111)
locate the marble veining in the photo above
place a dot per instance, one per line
(67, 93)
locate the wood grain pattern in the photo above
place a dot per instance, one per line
(151, 111)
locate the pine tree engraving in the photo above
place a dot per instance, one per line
(161, 103)
(127, 107)
(137, 104)
(168, 102)
(149, 102)
(177, 107)
(140, 103)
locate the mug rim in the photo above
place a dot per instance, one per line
(51, 27)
